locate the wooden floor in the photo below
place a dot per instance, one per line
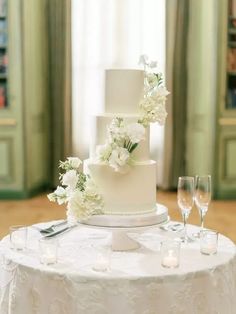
(221, 215)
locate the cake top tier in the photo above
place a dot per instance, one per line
(123, 90)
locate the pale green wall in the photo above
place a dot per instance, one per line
(24, 134)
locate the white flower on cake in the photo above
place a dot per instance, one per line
(135, 132)
(152, 106)
(122, 140)
(104, 152)
(116, 131)
(152, 80)
(60, 195)
(81, 194)
(74, 162)
(143, 59)
(70, 179)
(119, 158)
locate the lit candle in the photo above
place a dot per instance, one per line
(101, 265)
(208, 248)
(208, 242)
(170, 260)
(48, 256)
(48, 251)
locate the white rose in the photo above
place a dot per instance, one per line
(119, 158)
(74, 162)
(135, 132)
(70, 179)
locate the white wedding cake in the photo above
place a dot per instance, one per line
(117, 186)
(129, 194)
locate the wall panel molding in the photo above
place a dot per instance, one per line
(6, 160)
(228, 159)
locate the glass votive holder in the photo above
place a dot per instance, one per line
(18, 237)
(48, 250)
(170, 253)
(208, 242)
(102, 259)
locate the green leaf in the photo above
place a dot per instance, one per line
(132, 148)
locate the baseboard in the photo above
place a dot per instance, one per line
(24, 194)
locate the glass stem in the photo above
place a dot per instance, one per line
(185, 226)
(202, 219)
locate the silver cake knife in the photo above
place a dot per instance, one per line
(53, 234)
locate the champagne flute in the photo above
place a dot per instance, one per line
(202, 197)
(185, 197)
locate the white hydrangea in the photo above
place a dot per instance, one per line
(153, 108)
(75, 207)
(116, 131)
(91, 192)
(82, 205)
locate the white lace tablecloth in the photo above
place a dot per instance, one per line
(135, 284)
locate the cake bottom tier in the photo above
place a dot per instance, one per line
(125, 194)
(159, 216)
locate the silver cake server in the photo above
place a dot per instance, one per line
(55, 233)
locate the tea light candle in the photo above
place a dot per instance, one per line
(100, 266)
(18, 242)
(18, 237)
(48, 251)
(170, 260)
(208, 249)
(208, 242)
(48, 258)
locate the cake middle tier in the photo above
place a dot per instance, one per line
(125, 194)
(99, 135)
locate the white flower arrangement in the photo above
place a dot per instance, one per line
(152, 106)
(124, 138)
(78, 191)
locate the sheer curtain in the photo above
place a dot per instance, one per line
(109, 34)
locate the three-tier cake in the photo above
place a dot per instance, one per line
(129, 194)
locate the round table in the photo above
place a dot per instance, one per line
(135, 284)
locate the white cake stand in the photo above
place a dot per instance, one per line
(121, 226)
